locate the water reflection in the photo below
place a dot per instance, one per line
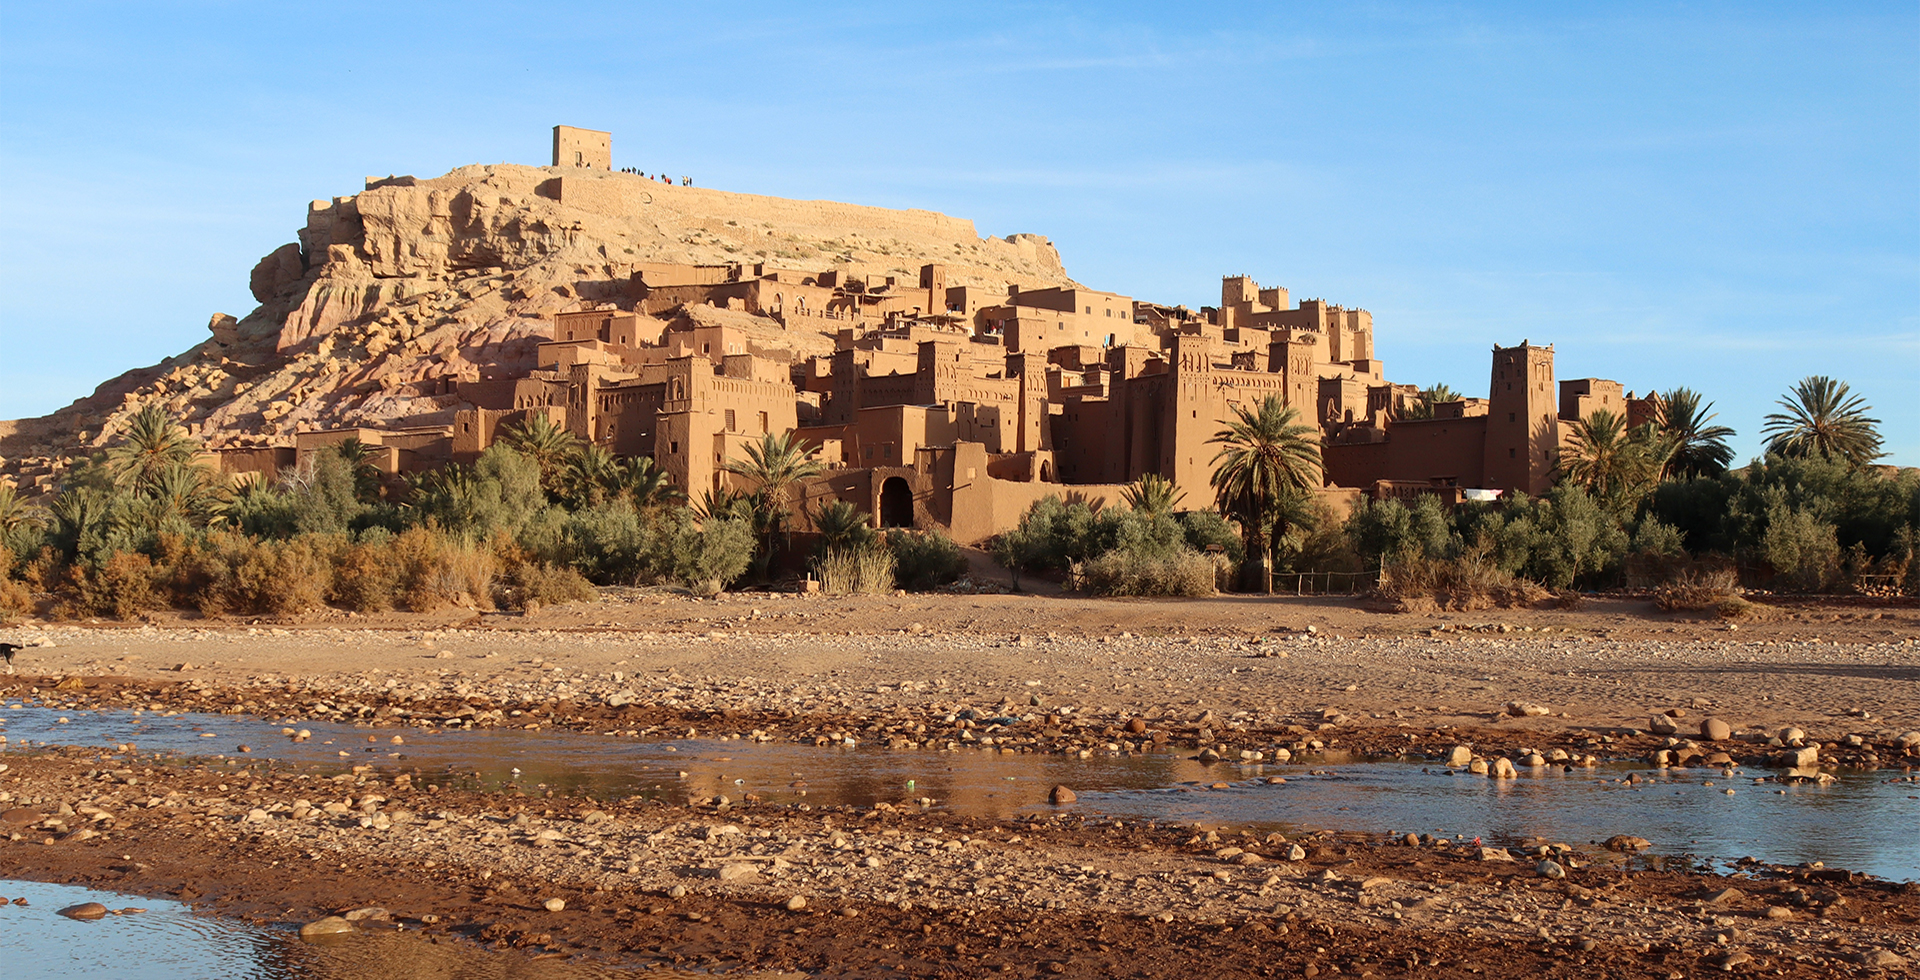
(1863, 822)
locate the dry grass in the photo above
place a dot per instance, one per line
(1461, 584)
(436, 571)
(1120, 573)
(533, 585)
(1706, 589)
(856, 571)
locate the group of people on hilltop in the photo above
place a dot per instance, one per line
(663, 178)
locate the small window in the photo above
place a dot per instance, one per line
(1510, 454)
(1510, 417)
(673, 447)
(763, 423)
(732, 425)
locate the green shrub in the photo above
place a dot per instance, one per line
(1803, 549)
(709, 557)
(613, 544)
(1128, 573)
(925, 560)
(1205, 527)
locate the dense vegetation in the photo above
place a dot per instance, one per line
(538, 518)
(1636, 507)
(542, 517)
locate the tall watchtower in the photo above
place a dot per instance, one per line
(1523, 435)
(574, 147)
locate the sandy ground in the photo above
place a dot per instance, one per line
(903, 890)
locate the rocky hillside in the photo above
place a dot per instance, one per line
(414, 280)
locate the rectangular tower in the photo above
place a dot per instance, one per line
(574, 147)
(1523, 434)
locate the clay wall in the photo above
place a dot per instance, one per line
(1437, 452)
(1580, 398)
(258, 459)
(575, 147)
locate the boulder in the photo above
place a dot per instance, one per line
(1502, 768)
(1459, 756)
(1715, 730)
(1061, 796)
(85, 910)
(1626, 844)
(1662, 725)
(332, 925)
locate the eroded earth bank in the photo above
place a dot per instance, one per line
(886, 881)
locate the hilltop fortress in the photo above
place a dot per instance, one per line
(948, 379)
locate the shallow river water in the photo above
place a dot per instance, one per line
(1866, 821)
(168, 941)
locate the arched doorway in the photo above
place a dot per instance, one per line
(896, 503)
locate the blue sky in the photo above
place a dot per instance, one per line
(1724, 196)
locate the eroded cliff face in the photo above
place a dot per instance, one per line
(391, 291)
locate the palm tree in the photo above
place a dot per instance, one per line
(14, 509)
(1699, 449)
(841, 524)
(182, 491)
(366, 476)
(1422, 407)
(1262, 456)
(1823, 418)
(1153, 494)
(548, 445)
(774, 464)
(152, 441)
(1616, 466)
(593, 476)
(649, 485)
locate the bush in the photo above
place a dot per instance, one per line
(1205, 527)
(366, 576)
(925, 560)
(1127, 573)
(437, 570)
(1803, 549)
(122, 588)
(711, 556)
(856, 570)
(282, 578)
(546, 585)
(1471, 581)
(613, 544)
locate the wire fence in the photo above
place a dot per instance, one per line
(1321, 583)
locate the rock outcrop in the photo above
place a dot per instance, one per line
(391, 292)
